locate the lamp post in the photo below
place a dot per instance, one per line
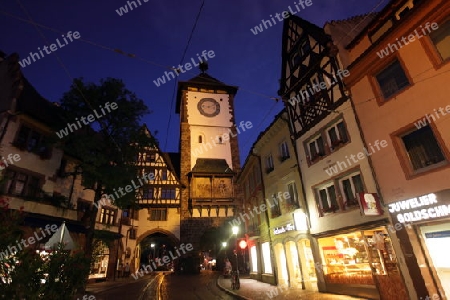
(235, 231)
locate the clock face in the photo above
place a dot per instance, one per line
(208, 107)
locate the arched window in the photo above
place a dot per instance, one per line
(200, 139)
(220, 140)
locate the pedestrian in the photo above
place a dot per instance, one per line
(127, 270)
(120, 271)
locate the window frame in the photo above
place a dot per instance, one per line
(402, 153)
(167, 193)
(284, 151)
(269, 163)
(430, 48)
(275, 211)
(158, 216)
(40, 148)
(381, 100)
(354, 203)
(334, 146)
(296, 201)
(313, 159)
(25, 191)
(319, 200)
(106, 213)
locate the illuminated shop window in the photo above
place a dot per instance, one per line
(254, 259)
(266, 258)
(356, 257)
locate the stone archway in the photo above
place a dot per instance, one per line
(175, 240)
(153, 244)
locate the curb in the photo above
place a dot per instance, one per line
(230, 292)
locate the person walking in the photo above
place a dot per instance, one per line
(127, 270)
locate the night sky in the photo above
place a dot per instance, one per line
(156, 34)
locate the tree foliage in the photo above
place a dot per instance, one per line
(22, 273)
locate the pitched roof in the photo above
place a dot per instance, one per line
(352, 26)
(175, 162)
(212, 165)
(19, 96)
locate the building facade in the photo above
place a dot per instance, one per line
(351, 241)
(399, 73)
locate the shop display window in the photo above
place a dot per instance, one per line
(354, 258)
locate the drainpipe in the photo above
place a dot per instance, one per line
(266, 212)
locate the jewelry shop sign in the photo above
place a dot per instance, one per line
(418, 209)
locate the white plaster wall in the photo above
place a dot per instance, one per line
(315, 174)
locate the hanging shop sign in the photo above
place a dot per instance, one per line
(370, 204)
(283, 229)
(418, 209)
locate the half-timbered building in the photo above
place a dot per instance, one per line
(334, 162)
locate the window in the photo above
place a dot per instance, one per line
(150, 156)
(167, 193)
(327, 199)
(200, 139)
(266, 258)
(284, 151)
(316, 149)
(293, 194)
(254, 258)
(350, 187)
(337, 135)
(148, 193)
(158, 214)
(423, 148)
(21, 184)
(275, 210)
(149, 171)
(441, 40)
(219, 140)
(392, 79)
(269, 163)
(164, 174)
(107, 216)
(32, 141)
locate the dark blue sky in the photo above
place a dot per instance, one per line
(156, 32)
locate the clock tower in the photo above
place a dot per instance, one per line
(209, 157)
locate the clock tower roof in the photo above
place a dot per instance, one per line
(212, 165)
(203, 81)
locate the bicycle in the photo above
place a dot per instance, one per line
(235, 283)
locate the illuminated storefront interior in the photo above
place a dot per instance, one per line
(437, 243)
(357, 257)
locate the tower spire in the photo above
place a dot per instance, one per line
(203, 66)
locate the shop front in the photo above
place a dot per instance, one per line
(293, 256)
(362, 263)
(426, 220)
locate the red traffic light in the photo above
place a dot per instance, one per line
(242, 244)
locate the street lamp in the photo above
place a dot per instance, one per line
(153, 246)
(235, 230)
(224, 244)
